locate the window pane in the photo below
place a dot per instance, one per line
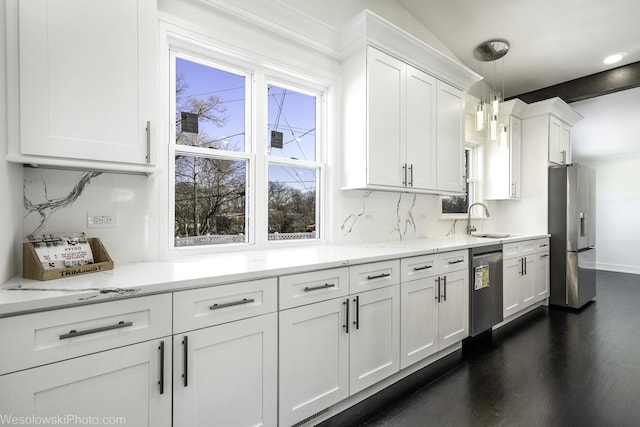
(210, 107)
(291, 124)
(454, 204)
(210, 201)
(292, 203)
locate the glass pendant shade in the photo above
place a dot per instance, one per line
(495, 103)
(503, 135)
(493, 127)
(480, 110)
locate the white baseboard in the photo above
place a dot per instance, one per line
(618, 268)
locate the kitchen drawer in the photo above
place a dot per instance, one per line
(50, 336)
(518, 249)
(418, 267)
(374, 275)
(199, 308)
(453, 261)
(315, 286)
(542, 245)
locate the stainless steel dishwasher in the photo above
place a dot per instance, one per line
(485, 288)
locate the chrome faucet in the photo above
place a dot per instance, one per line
(486, 212)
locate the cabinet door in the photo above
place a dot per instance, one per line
(421, 130)
(527, 281)
(418, 320)
(386, 85)
(559, 141)
(120, 386)
(374, 338)
(229, 374)
(541, 276)
(87, 78)
(314, 359)
(512, 269)
(453, 309)
(515, 150)
(450, 138)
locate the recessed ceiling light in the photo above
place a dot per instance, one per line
(613, 58)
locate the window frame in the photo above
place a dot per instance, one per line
(476, 149)
(257, 78)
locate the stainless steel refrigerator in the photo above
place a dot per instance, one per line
(572, 225)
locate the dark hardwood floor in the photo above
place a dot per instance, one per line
(552, 367)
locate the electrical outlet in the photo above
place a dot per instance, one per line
(102, 219)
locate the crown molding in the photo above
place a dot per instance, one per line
(554, 106)
(368, 28)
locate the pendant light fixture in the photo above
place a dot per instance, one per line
(491, 51)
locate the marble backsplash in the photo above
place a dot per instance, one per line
(59, 200)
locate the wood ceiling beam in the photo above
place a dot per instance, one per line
(605, 82)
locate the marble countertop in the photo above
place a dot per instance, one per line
(141, 278)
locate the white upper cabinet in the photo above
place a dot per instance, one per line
(450, 138)
(548, 124)
(503, 158)
(86, 82)
(386, 88)
(403, 111)
(412, 135)
(559, 142)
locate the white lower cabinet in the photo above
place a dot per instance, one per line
(434, 304)
(129, 385)
(525, 275)
(374, 337)
(226, 375)
(314, 359)
(542, 276)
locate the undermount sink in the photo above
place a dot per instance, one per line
(491, 235)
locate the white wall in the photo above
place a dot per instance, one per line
(10, 184)
(608, 139)
(617, 213)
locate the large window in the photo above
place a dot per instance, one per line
(229, 186)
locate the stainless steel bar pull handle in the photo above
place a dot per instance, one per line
(438, 294)
(161, 381)
(424, 267)
(73, 333)
(583, 224)
(315, 288)
(346, 323)
(378, 276)
(544, 255)
(445, 288)
(185, 363)
(457, 261)
(356, 302)
(404, 172)
(411, 175)
(231, 304)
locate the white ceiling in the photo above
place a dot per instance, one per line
(552, 41)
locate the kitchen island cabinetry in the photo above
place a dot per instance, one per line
(85, 89)
(226, 374)
(434, 304)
